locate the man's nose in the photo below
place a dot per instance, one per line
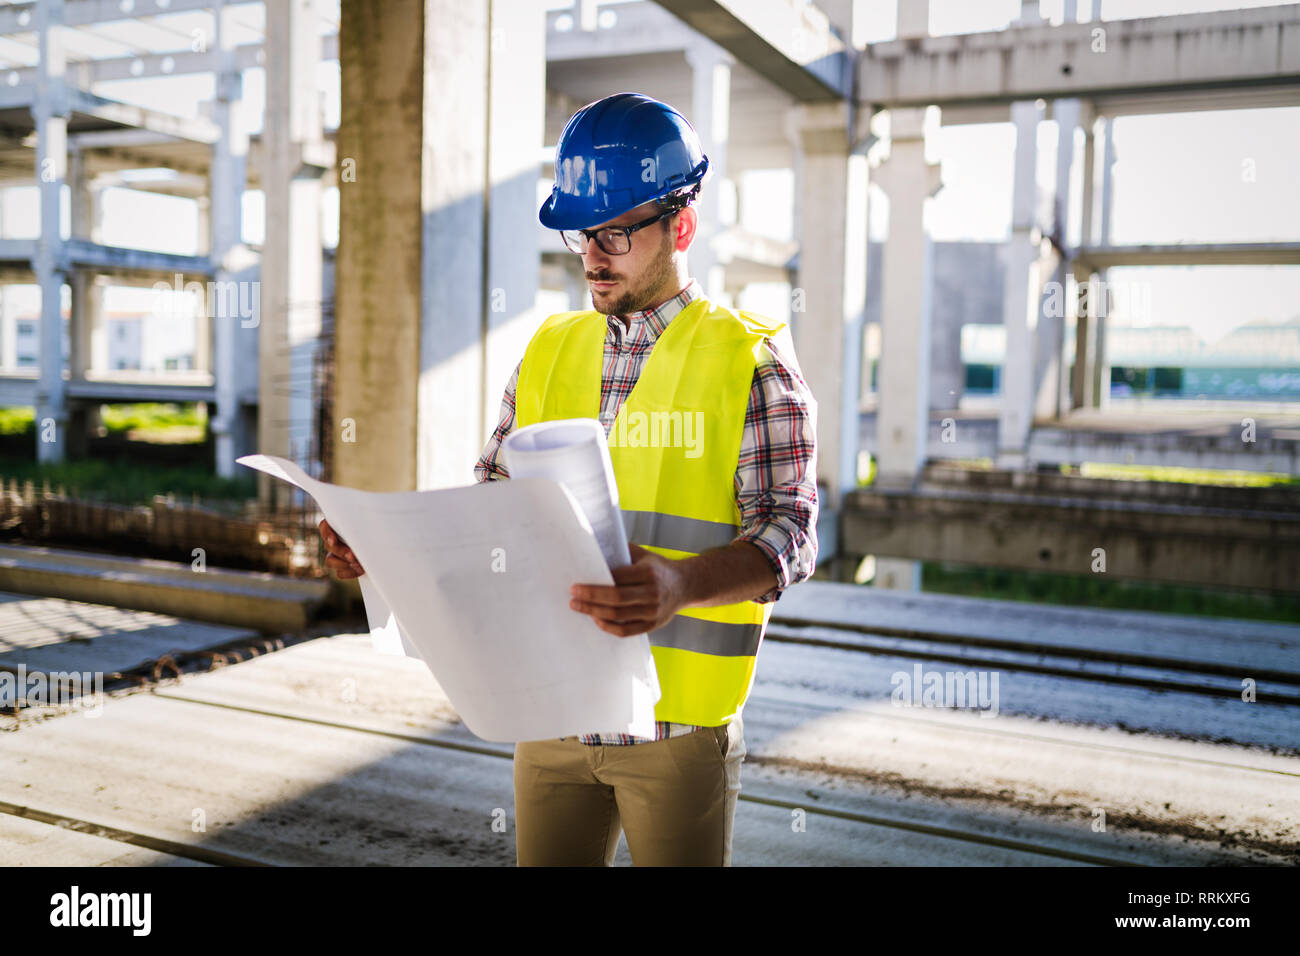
(595, 259)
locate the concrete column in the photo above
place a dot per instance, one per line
(1020, 296)
(1083, 380)
(50, 112)
(82, 320)
(903, 419)
(8, 324)
(203, 215)
(1100, 363)
(710, 115)
(516, 133)
(233, 334)
(452, 278)
(1053, 386)
(913, 18)
(86, 322)
(830, 288)
(377, 278)
(291, 255)
(432, 306)
(902, 429)
(575, 284)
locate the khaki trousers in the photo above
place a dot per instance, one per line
(675, 798)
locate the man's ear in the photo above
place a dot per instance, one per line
(687, 222)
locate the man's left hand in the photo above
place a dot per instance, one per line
(645, 595)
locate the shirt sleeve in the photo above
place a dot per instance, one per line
(489, 466)
(776, 475)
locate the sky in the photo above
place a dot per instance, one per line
(1189, 177)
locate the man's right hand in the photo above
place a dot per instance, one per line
(340, 557)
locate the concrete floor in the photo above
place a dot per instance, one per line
(327, 753)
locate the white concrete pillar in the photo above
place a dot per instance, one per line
(1029, 13)
(830, 291)
(903, 422)
(575, 284)
(1020, 306)
(1100, 361)
(8, 323)
(50, 112)
(290, 326)
(82, 318)
(455, 254)
(233, 335)
(1083, 381)
(203, 225)
(913, 18)
(710, 115)
(86, 323)
(903, 418)
(1053, 385)
(515, 134)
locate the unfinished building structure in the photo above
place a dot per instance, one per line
(447, 110)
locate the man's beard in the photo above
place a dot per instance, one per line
(646, 295)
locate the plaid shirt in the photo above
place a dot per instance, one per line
(776, 475)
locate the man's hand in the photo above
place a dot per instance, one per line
(645, 595)
(340, 558)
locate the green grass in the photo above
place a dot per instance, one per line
(147, 417)
(124, 482)
(1099, 592)
(17, 421)
(152, 417)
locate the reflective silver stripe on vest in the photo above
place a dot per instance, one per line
(673, 531)
(708, 637)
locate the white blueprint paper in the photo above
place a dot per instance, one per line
(573, 451)
(475, 582)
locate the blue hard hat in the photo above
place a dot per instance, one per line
(616, 154)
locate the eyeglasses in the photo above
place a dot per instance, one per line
(612, 240)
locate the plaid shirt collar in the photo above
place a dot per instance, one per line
(657, 319)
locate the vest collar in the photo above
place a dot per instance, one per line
(656, 320)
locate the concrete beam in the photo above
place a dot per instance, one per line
(1160, 55)
(793, 45)
(1191, 254)
(1185, 535)
(140, 263)
(641, 28)
(20, 17)
(119, 389)
(195, 129)
(175, 63)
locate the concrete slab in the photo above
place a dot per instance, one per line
(329, 753)
(30, 843)
(56, 634)
(1244, 646)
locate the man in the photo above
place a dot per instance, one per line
(720, 503)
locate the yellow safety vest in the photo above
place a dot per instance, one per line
(675, 445)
